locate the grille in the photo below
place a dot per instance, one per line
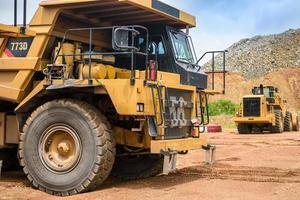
(251, 107)
(178, 118)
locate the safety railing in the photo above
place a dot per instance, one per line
(131, 50)
(213, 68)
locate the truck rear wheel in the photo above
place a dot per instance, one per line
(288, 122)
(66, 147)
(278, 127)
(244, 128)
(296, 124)
(137, 167)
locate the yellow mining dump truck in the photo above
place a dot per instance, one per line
(265, 110)
(94, 87)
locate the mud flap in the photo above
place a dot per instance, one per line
(210, 154)
(170, 159)
(1, 167)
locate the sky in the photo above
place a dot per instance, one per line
(220, 23)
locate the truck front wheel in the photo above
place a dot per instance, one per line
(66, 147)
(288, 122)
(245, 128)
(279, 122)
(296, 123)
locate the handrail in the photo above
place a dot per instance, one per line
(90, 53)
(213, 72)
(203, 110)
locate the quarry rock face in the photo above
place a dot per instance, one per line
(255, 57)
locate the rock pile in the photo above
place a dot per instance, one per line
(260, 55)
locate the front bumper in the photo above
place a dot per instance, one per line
(252, 120)
(177, 144)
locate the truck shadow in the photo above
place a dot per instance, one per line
(15, 177)
(181, 176)
(205, 172)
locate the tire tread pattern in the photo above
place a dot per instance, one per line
(244, 129)
(288, 124)
(104, 138)
(278, 124)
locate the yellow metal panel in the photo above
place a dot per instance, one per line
(18, 63)
(39, 87)
(177, 145)
(144, 3)
(125, 96)
(9, 93)
(62, 2)
(129, 138)
(1, 41)
(213, 92)
(11, 130)
(253, 120)
(183, 16)
(38, 46)
(2, 128)
(14, 90)
(6, 77)
(41, 29)
(187, 18)
(46, 6)
(45, 16)
(22, 79)
(15, 31)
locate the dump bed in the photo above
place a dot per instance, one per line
(124, 12)
(23, 51)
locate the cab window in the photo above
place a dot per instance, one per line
(157, 45)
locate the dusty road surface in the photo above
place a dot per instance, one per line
(248, 167)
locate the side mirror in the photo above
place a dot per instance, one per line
(123, 38)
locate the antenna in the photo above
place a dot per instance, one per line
(15, 12)
(24, 13)
(23, 27)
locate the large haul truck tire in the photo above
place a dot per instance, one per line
(244, 128)
(66, 147)
(296, 123)
(279, 124)
(288, 122)
(137, 167)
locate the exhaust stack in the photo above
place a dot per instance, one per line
(23, 27)
(24, 13)
(15, 13)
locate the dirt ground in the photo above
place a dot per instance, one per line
(250, 167)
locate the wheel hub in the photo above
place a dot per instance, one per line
(63, 148)
(60, 148)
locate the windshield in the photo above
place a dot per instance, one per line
(182, 47)
(267, 91)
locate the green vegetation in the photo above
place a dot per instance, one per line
(222, 107)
